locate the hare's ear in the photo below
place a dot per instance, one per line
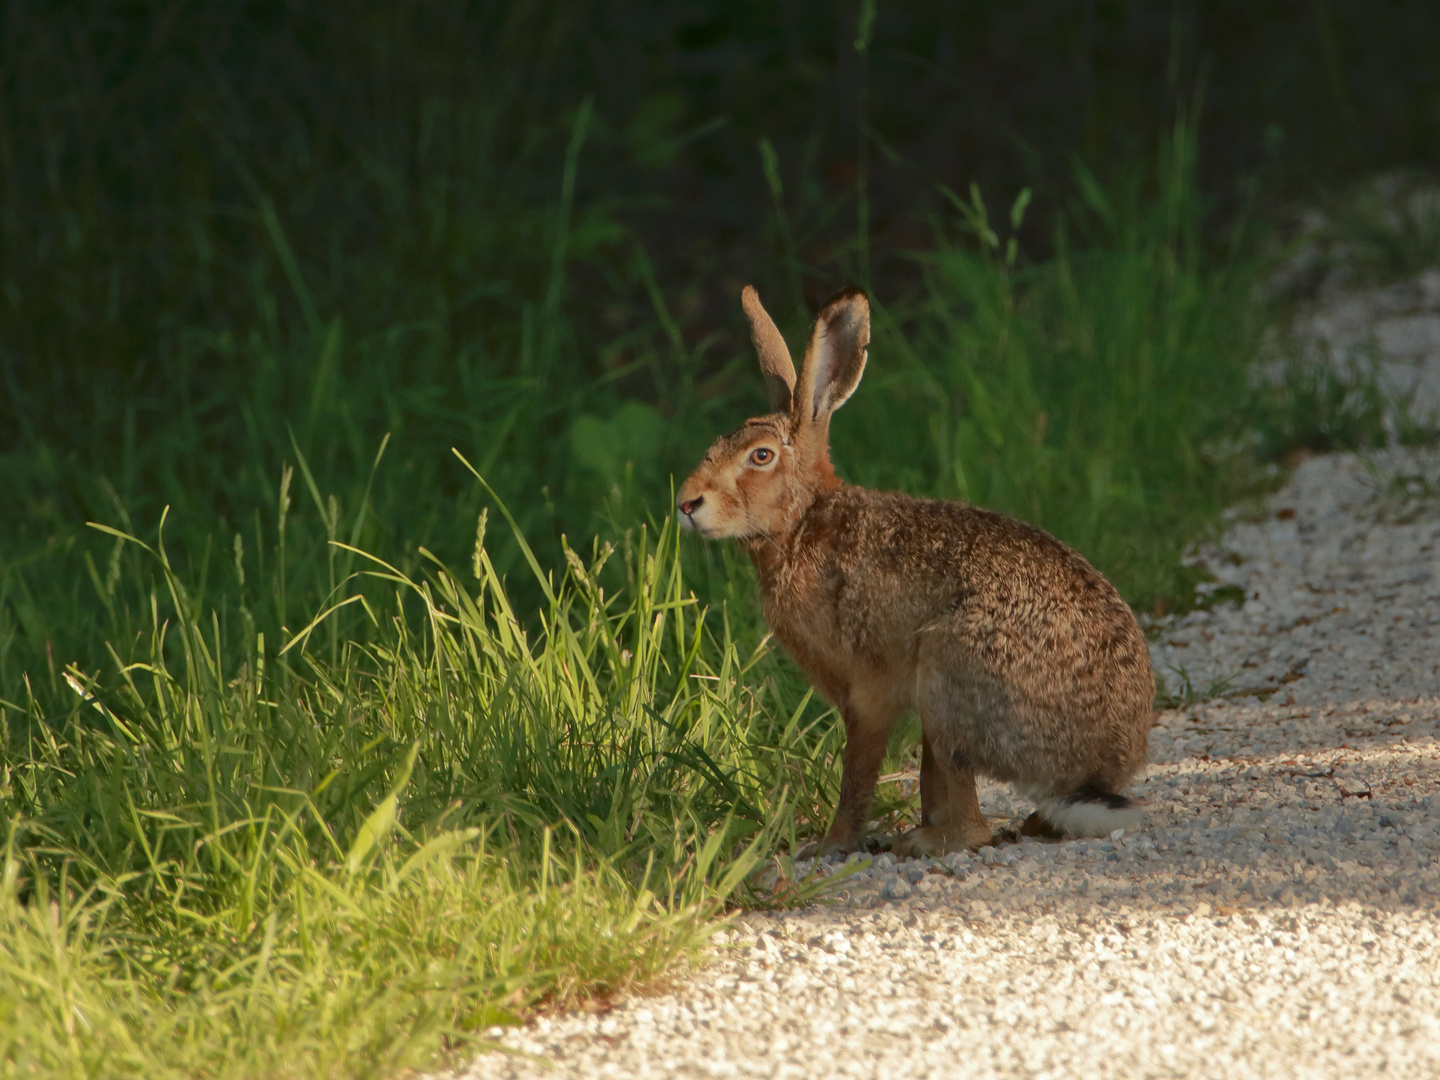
(835, 358)
(775, 359)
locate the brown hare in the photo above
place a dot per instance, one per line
(1022, 660)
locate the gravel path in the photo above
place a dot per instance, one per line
(1275, 917)
(1341, 583)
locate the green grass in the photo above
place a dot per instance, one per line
(336, 860)
(335, 973)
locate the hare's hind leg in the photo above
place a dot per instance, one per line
(950, 817)
(934, 790)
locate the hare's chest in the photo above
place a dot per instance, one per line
(811, 637)
(816, 619)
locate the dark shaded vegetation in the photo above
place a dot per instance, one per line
(519, 229)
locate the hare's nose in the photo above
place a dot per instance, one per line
(689, 506)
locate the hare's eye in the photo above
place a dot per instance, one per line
(762, 456)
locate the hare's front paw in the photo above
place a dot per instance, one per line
(933, 840)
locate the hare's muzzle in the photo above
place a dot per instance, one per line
(688, 508)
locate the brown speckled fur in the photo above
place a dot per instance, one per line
(1022, 660)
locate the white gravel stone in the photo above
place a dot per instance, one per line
(1276, 916)
(895, 888)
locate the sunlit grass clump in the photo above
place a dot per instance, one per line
(339, 972)
(308, 863)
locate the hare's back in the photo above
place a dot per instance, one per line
(1004, 588)
(952, 551)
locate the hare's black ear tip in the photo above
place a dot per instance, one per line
(846, 307)
(848, 297)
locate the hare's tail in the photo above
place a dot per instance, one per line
(1090, 811)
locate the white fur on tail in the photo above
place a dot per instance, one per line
(1089, 818)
